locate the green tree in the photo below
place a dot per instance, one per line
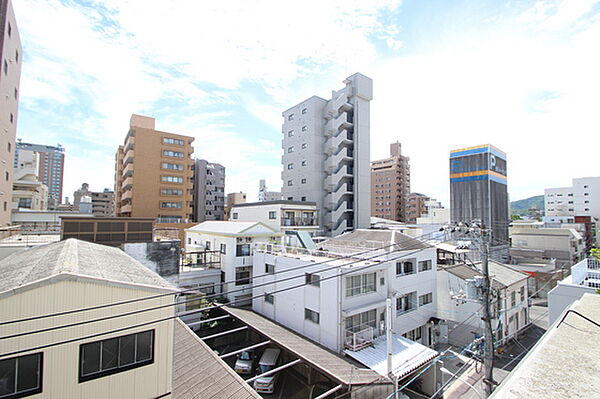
(595, 253)
(515, 217)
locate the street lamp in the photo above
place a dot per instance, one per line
(445, 370)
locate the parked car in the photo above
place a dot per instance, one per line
(268, 361)
(246, 361)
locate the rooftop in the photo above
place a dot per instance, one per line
(277, 202)
(502, 275)
(199, 373)
(232, 228)
(329, 363)
(73, 259)
(362, 239)
(564, 362)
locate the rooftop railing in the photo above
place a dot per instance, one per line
(360, 339)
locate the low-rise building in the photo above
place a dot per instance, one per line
(344, 303)
(510, 306)
(28, 191)
(298, 220)
(108, 231)
(584, 278)
(232, 199)
(103, 202)
(124, 357)
(235, 242)
(42, 222)
(530, 241)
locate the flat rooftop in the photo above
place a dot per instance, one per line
(565, 361)
(277, 202)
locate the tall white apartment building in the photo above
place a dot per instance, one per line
(326, 155)
(581, 199)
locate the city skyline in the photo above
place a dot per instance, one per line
(518, 75)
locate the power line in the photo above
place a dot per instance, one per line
(195, 289)
(201, 309)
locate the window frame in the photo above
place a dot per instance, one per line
(31, 391)
(117, 369)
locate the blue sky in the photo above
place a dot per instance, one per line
(522, 75)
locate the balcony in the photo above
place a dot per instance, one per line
(126, 208)
(127, 183)
(127, 195)
(298, 222)
(128, 170)
(358, 338)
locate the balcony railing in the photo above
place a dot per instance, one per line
(298, 222)
(357, 340)
(171, 220)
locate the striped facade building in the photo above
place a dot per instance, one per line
(478, 189)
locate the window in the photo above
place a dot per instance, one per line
(25, 203)
(362, 320)
(304, 128)
(290, 149)
(16, 93)
(175, 154)
(9, 29)
(110, 356)
(290, 166)
(303, 111)
(168, 140)
(269, 298)
(405, 267)
(290, 182)
(303, 163)
(242, 275)
(302, 199)
(207, 245)
(21, 376)
(304, 146)
(303, 181)
(12, 117)
(413, 335)
(172, 166)
(522, 293)
(242, 250)
(425, 299)
(406, 303)
(17, 56)
(311, 315)
(223, 249)
(361, 284)
(290, 117)
(312, 279)
(513, 298)
(170, 191)
(290, 133)
(6, 175)
(172, 179)
(5, 67)
(425, 265)
(165, 204)
(269, 268)
(272, 215)
(8, 147)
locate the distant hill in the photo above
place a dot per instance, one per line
(520, 207)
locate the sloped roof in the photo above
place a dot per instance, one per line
(502, 275)
(371, 239)
(73, 258)
(230, 227)
(198, 373)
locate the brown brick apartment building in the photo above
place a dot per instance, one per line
(390, 185)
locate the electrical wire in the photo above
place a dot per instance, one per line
(195, 289)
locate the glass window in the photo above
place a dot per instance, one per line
(223, 249)
(21, 376)
(242, 250)
(269, 298)
(109, 356)
(312, 279)
(311, 315)
(234, 215)
(425, 299)
(269, 269)
(361, 284)
(242, 275)
(406, 303)
(272, 215)
(168, 140)
(425, 265)
(405, 267)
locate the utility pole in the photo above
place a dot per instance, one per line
(488, 352)
(390, 352)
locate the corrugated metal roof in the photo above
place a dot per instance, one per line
(198, 373)
(373, 238)
(329, 363)
(73, 257)
(407, 355)
(502, 275)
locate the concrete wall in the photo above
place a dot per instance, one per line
(162, 257)
(60, 363)
(10, 77)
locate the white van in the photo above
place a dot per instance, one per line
(268, 361)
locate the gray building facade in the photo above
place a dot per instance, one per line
(326, 155)
(209, 191)
(51, 168)
(478, 189)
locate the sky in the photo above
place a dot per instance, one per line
(521, 75)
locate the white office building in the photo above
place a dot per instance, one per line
(326, 155)
(581, 199)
